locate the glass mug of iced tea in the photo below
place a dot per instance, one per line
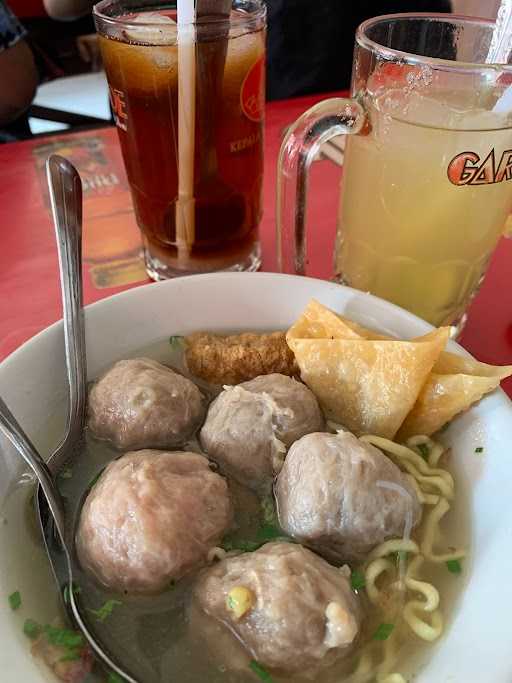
(427, 178)
(188, 101)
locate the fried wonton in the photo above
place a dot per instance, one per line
(445, 396)
(369, 386)
(453, 386)
(319, 322)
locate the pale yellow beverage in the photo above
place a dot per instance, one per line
(425, 197)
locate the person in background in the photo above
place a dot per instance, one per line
(310, 44)
(309, 47)
(68, 10)
(18, 77)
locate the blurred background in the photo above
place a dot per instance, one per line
(51, 74)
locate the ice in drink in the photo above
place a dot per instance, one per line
(142, 71)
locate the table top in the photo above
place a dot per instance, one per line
(29, 282)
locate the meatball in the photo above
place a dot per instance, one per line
(152, 517)
(140, 403)
(342, 496)
(290, 609)
(250, 426)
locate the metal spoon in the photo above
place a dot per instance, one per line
(53, 505)
(65, 188)
(66, 199)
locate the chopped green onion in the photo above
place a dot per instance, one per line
(94, 480)
(479, 449)
(357, 580)
(454, 566)
(105, 610)
(114, 678)
(32, 629)
(424, 450)
(269, 532)
(383, 632)
(63, 636)
(401, 555)
(231, 602)
(239, 544)
(175, 341)
(269, 511)
(71, 656)
(247, 546)
(260, 671)
(15, 600)
(65, 592)
(71, 641)
(66, 474)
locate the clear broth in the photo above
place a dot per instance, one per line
(155, 632)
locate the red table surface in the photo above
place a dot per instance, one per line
(29, 283)
(26, 9)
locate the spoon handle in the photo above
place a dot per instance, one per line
(65, 189)
(21, 442)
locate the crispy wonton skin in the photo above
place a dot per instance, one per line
(319, 322)
(441, 399)
(368, 386)
(454, 385)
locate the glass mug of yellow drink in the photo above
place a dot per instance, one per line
(426, 186)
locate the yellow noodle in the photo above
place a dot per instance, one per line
(372, 573)
(431, 530)
(364, 670)
(443, 485)
(434, 486)
(404, 454)
(424, 498)
(421, 628)
(390, 655)
(395, 545)
(429, 591)
(436, 450)
(413, 463)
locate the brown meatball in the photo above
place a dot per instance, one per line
(152, 517)
(140, 403)
(301, 613)
(249, 427)
(342, 496)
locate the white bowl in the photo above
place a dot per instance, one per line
(476, 648)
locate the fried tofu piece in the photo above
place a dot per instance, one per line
(236, 358)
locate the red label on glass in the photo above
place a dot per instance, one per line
(467, 168)
(252, 93)
(119, 107)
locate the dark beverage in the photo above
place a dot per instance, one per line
(142, 71)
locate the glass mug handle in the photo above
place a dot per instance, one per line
(325, 120)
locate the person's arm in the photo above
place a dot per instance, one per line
(18, 73)
(67, 10)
